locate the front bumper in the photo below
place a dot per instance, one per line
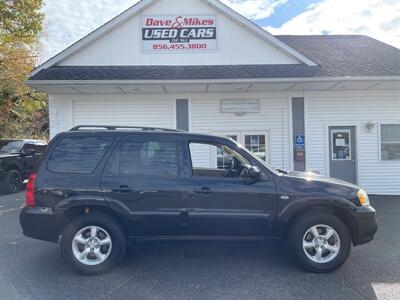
(365, 219)
(39, 223)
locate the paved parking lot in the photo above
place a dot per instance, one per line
(31, 269)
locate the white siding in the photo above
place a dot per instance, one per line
(273, 118)
(120, 110)
(124, 111)
(322, 109)
(122, 46)
(159, 110)
(60, 114)
(325, 109)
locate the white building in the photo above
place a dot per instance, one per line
(197, 65)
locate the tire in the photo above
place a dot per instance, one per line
(111, 253)
(13, 182)
(307, 253)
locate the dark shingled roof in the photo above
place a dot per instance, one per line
(347, 55)
(336, 56)
(174, 72)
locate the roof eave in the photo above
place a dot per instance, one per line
(193, 81)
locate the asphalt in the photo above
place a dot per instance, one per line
(31, 269)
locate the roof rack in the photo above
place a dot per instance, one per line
(107, 127)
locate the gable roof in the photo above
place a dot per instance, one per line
(143, 4)
(347, 55)
(336, 55)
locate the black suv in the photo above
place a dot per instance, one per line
(17, 161)
(95, 188)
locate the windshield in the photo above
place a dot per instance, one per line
(10, 146)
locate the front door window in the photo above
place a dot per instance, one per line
(341, 145)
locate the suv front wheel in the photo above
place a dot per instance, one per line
(13, 182)
(320, 242)
(92, 244)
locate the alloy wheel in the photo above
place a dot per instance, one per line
(91, 245)
(321, 243)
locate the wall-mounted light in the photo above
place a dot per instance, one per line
(370, 125)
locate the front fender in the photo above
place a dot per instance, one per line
(344, 209)
(287, 213)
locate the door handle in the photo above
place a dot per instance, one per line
(123, 189)
(204, 190)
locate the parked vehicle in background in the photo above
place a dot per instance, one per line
(95, 188)
(17, 161)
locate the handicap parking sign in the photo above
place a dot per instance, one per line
(299, 141)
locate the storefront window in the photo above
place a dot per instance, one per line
(390, 142)
(256, 145)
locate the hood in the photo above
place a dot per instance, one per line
(315, 177)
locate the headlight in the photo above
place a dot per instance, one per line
(363, 198)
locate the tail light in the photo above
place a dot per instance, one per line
(30, 191)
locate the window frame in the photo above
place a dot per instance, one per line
(333, 131)
(143, 139)
(216, 144)
(61, 138)
(380, 143)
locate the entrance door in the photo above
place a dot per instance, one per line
(255, 141)
(342, 154)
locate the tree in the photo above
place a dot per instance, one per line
(22, 109)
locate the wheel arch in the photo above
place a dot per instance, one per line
(14, 166)
(81, 210)
(338, 211)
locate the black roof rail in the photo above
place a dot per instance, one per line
(108, 127)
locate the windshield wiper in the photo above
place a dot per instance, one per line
(281, 171)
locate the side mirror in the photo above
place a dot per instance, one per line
(255, 172)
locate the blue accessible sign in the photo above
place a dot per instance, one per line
(299, 142)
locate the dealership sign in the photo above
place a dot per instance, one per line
(179, 33)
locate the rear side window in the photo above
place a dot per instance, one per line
(79, 154)
(135, 157)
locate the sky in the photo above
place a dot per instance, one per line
(69, 20)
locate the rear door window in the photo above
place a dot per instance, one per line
(146, 157)
(78, 154)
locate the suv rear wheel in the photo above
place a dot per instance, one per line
(320, 242)
(92, 244)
